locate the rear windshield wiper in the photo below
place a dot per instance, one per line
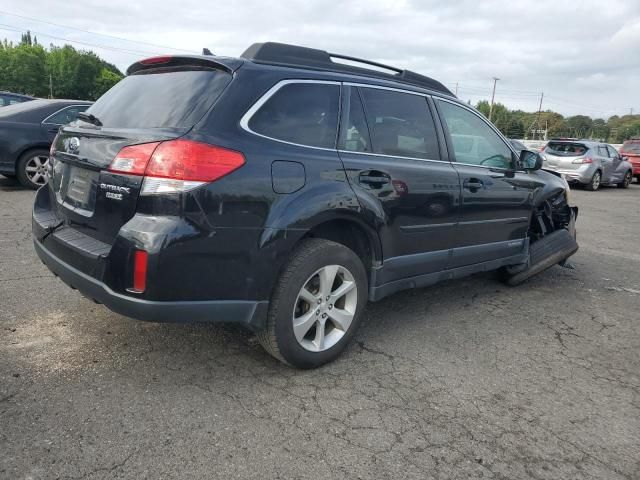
(90, 118)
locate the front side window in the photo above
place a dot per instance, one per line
(66, 115)
(474, 141)
(301, 113)
(400, 124)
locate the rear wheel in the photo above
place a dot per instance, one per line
(625, 181)
(316, 306)
(32, 167)
(594, 184)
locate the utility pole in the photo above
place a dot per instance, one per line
(457, 92)
(630, 112)
(50, 86)
(493, 95)
(539, 112)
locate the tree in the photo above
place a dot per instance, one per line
(28, 66)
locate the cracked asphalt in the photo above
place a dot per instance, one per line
(467, 379)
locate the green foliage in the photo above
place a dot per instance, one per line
(519, 124)
(28, 68)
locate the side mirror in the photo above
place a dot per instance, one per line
(530, 160)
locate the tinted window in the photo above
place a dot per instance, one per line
(631, 147)
(400, 124)
(474, 141)
(159, 98)
(566, 149)
(303, 113)
(354, 134)
(66, 115)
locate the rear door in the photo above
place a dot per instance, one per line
(390, 149)
(152, 105)
(496, 202)
(607, 163)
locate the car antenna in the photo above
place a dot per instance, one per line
(206, 51)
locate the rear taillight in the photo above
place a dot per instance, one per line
(133, 160)
(140, 258)
(177, 165)
(583, 160)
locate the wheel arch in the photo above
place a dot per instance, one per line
(28, 148)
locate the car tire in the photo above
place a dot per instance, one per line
(310, 320)
(31, 169)
(594, 184)
(626, 180)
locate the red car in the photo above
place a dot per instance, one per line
(631, 150)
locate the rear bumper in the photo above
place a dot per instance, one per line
(251, 314)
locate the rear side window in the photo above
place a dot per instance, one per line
(631, 147)
(602, 151)
(400, 124)
(160, 98)
(302, 113)
(566, 149)
(66, 115)
(612, 151)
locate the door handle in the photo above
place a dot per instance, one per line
(473, 184)
(374, 179)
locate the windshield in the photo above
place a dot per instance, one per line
(631, 147)
(566, 149)
(160, 98)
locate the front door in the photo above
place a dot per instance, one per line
(390, 149)
(496, 202)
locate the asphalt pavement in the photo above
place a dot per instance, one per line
(466, 379)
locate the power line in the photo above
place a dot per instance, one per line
(94, 33)
(136, 53)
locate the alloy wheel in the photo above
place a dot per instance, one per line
(324, 308)
(36, 169)
(595, 181)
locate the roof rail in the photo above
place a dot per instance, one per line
(296, 56)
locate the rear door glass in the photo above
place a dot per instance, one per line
(400, 124)
(300, 113)
(566, 149)
(160, 98)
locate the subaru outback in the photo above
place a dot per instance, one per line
(284, 189)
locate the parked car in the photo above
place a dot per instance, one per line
(26, 132)
(282, 190)
(631, 151)
(10, 98)
(588, 163)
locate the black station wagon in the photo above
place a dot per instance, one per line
(284, 189)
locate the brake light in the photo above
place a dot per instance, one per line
(140, 258)
(156, 60)
(583, 160)
(176, 165)
(133, 159)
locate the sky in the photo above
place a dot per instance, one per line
(584, 55)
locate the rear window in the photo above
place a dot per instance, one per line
(631, 147)
(302, 113)
(160, 98)
(566, 149)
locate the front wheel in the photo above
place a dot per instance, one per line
(594, 184)
(316, 306)
(625, 181)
